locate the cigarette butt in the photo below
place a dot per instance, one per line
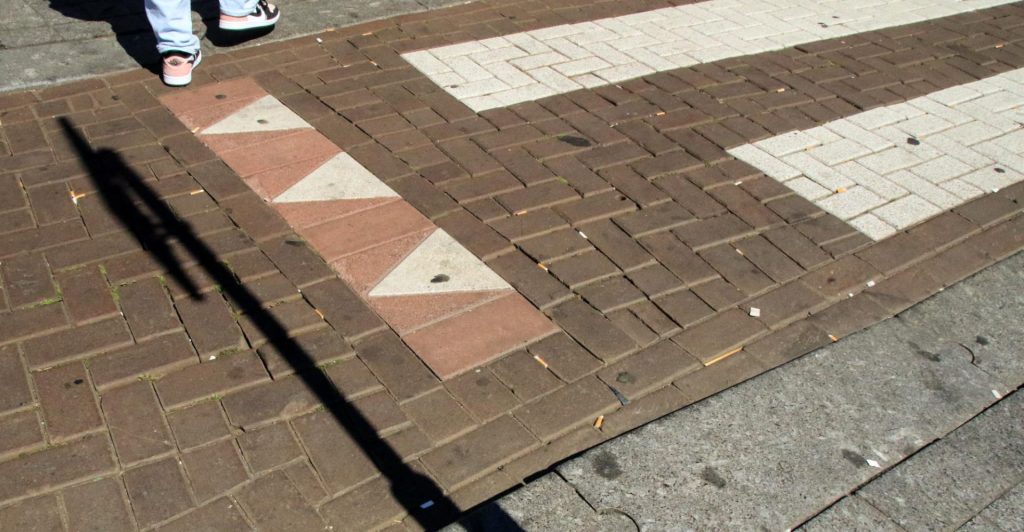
(871, 283)
(541, 360)
(740, 251)
(738, 183)
(368, 33)
(318, 313)
(783, 89)
(1000, 45)
(584, 235)
(723, 356)
(840, 190)
(196, 129)
(659, 113)
(520, 213)
(833, 337)
(319, 40)
(374, 63)
(196, 191)
(599, 422)
(755, 312)
(542, 266)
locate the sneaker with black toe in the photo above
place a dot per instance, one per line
(263, 15)
(178, 67)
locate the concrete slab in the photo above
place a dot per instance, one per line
(851, 513)
(1006, 513)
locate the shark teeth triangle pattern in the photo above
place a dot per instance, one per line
(340, 178)
(265, 114)
(439, 265)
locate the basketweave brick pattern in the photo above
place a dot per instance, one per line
(889, 168)
(595, 160)
(527, 66)
(448, 306)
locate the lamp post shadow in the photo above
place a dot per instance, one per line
(140, 210)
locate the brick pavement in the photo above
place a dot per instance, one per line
(142, 386)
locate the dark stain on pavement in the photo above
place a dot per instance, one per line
(712, 477)
(606, 465)
(934, 357)
(854, 458)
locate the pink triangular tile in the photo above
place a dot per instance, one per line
(365, 269)
(407, 313)
(309, 213)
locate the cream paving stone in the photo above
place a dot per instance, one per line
(340, 178)
(439, 265)
(889, 168)
(265, 114)
(676, 37)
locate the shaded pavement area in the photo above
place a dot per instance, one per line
(198, 321)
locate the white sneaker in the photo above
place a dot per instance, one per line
(262, 16)
(178, 67)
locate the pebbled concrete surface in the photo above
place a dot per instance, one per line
(784, 447)
(53, 41)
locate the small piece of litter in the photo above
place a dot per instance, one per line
(213, 357)
(520, 213)
(541, 360)
(623, 400)
(740, 251)
(738, 183)
(840, 190)
(997, 395)
(584, 235)
(542, 266)
(781, 89)
(849, 294)
(755, 312)
(871, 283)
(833, 337)
(318, 313)
(318, 39)
(196, 129)
(660, 113)
(872, 463)
(426, 505)
(196, 191)
(368, 33)
(599, 422)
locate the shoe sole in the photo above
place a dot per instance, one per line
(231, 25)
(181, 81)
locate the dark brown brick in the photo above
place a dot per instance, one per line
(679, 259)
(849, 316)
(86, 295)
(769, 259)
(650, 369)
(198, 425)
(584, 268)
(273, 502)
(68, 404)
(269, 446)
(566, 408)
(476, 453)
(439, 416)
(98, 505)
(616, 245)
(611, 294)
(786, 304)
(526, 276)
(797, 247)
(343, 309)
(224, 375)
(655, 280)
(290, 318)
(397, 367)
(661, 217)
(27, 279)
(956, 263)
(300, 264)
(77, 343)
(901, 291)
(157, 491)
(335, 454)
(221, 514)
(135, 421)
(147, 308)
(369, 507)
(712, 231)
(482, 394)
(736, 269)
(596, 207)
(14, 388)
(719, 376)
(787, 344)
(284, 398)
(214, 469)
(988, 209)
(20, 432)
(719, 294)
(554, 246)
(324, 345)
(39, 513)
(151, 358)
(720, 335)
(643, 410)
(258, 219)
(475, 235)
(524, 375)
(596, 333)
(690, 197)
(210, 324)
(31, 321)
(55, 466)
(633, 326)
(841, 278)
(566, 358)
(684, 307)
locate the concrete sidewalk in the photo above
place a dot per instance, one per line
(54, 41)
(912, 424)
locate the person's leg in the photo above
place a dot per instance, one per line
(172, 24)
(238, 15)
(237, 8)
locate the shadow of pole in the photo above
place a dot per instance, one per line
(154, 225)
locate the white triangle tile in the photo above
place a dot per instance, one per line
(340, 178)
(265, 114)
(439, 265)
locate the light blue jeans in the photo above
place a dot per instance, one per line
(172, 22)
